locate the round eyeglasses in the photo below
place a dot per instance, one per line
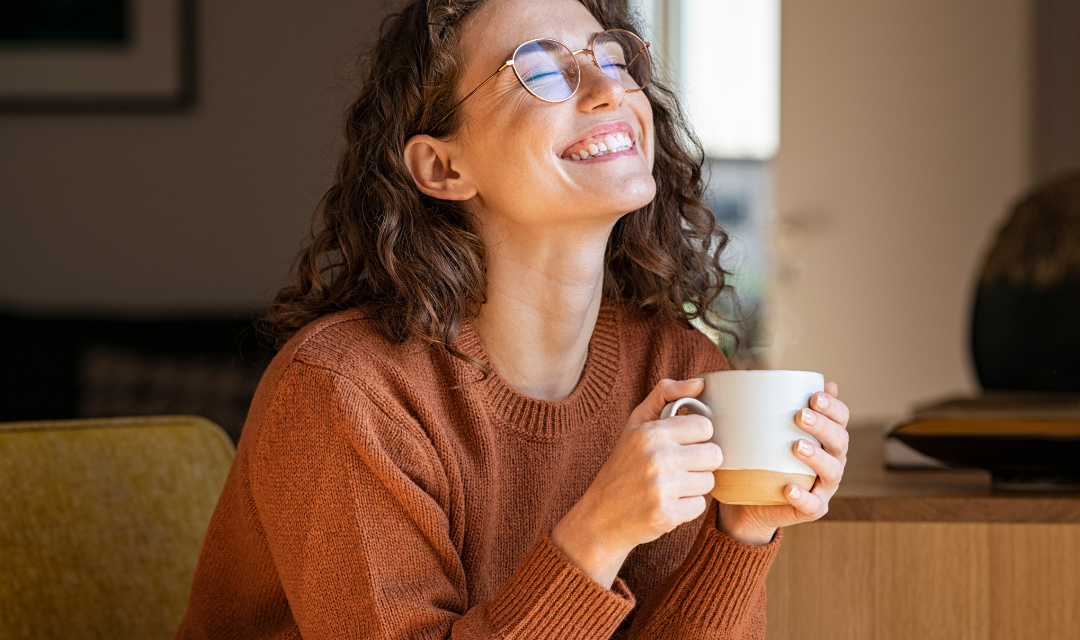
(549, 70)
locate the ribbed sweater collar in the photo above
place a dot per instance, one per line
(543, 419)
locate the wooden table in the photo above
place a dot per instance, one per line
(928, 554)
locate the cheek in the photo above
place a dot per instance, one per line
(513, 149)
(644, 108)
(515, 165)
(510, 136)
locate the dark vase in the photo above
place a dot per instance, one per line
(1025, 329)
(1026, 339)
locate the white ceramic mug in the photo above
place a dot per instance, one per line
(753, 415)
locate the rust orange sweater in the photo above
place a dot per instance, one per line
(385, 491)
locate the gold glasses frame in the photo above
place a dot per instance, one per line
(574, 54)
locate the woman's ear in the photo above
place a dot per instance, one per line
(430, 161)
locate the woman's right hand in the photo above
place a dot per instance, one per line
(655, 479)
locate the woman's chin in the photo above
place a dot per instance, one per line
(633, 194)
(612, 209)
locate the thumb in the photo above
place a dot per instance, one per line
(664, 392)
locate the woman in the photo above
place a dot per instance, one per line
(462, 439)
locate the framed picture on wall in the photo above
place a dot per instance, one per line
(96, 54)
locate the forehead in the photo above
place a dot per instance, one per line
(491, 34)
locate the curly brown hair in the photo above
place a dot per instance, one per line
(415, 264)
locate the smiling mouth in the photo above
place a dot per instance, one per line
(600, 145)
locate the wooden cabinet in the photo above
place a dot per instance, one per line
(927, 555)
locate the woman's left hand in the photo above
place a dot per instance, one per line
(826, 419)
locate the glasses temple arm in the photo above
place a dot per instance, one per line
(508, 63)
(640, 51)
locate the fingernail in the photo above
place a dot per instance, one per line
(795, 492)
(805, 448)
(808, 417)
(822, 400)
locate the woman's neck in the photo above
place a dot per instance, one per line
(544, 289)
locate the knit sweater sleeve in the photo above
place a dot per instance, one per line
(718, 592)
(349, 500)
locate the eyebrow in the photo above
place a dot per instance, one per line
(591, 36)
(587, 40)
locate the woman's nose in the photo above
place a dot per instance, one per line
(597, 89)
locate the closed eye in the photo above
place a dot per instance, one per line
(541, 76)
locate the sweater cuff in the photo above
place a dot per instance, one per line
(720, 582)
(725, 579)
(549, 596)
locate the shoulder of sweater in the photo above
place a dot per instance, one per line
(347, 344)
(340, 362)
(395, 377)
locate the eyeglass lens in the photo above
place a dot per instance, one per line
(549, 70)
(623, 56)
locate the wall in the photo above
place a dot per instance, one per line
(1056, 88)
(905, 134)
(196, 210)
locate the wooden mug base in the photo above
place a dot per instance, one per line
(756, 486)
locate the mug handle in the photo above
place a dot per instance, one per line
(695, 406)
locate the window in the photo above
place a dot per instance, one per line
(723, 58)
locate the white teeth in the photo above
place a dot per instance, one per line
(614, 143)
